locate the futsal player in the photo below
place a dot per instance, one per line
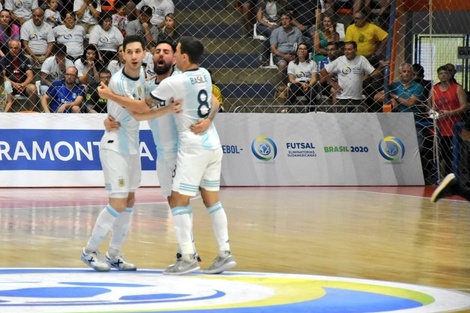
(120, 159)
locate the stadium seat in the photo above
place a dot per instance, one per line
(256, 35)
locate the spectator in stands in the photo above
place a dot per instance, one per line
(160, 9)
(106, 38)
(448, 99)
(142, 26)
(118, 63)
(18, 70)
(21, 11)
(370, 38)
(303, 14)
(303, 76)
(71, 35)
(405, 94)
(323, 35)
(120, 17)
(247, 9)
(89, 66)
(53, 68)
(64, 96)
(95, 104)
(8, 31)
(268, 18)
(380, 11)
(87, 12)
(170, 31)
(51, 14)
(37, 38)
(351, 69)
(327, 82)
(418, 76)
(284, 41)
(217, 93)
(6, 93)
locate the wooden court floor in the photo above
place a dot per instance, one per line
(381, 233)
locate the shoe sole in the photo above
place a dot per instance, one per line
(94, 268)
(222, 269)
(182, 273)
(447, 180)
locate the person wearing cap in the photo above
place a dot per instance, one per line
(160, 8)
(142, 26)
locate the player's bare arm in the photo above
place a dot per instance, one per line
(173, 107)
(203, 124)
(132, 105)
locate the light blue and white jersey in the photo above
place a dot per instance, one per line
(125, 140)
(163, 128)
(194, 87)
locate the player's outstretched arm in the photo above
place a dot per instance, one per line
(133, 105)
(173, 107)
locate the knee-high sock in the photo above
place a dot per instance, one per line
(182, 223)
(103, 224)
(219, 225)
(120, 229)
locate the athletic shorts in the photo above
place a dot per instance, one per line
(122, 173)
(197, 168)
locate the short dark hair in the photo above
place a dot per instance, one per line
(193, 48)
(171, 43)
(352, 43)
(59, 49)
(132, 38)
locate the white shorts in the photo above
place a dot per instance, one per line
(197, 168)
(122, 173)
(166, 166)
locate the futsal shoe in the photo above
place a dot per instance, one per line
(445, 189)
(221, 264)
(120, 264)
(93, 260)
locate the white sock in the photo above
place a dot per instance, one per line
(102, 226)
(120, 229)
(183, 224)
(219, 225)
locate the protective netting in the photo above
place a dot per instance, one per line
(425, 32)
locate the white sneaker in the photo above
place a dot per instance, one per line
(221, 264)
(93, 260)
(182, 267)
(120, 264)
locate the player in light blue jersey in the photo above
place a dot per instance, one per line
(198, 165)
(164, 129)
(120, 159)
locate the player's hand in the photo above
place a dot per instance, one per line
(175, 105)
(201, 126)
(104, 91)
(110, 124)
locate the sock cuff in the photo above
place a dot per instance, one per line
(180, 210)
(112, 211)
(215, 208)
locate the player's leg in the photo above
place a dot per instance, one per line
(188, 173)
(450, 186)
(166, 166)
(121, 224)
(210, 185)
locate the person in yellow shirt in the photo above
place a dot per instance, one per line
(217, 93)
(370, 38)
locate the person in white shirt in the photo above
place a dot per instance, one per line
(88, 12)
(21, 10)
(351, 69)
(160, 9)
(106, 38)
(52, 15)
(37, 37)
(118, 63)
(71, 35)
(303, 75)
(53, 68)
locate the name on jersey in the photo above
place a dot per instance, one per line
(198, 79)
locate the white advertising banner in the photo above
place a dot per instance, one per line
(319, 149)
(48, 150)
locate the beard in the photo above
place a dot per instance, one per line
(159, 70)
